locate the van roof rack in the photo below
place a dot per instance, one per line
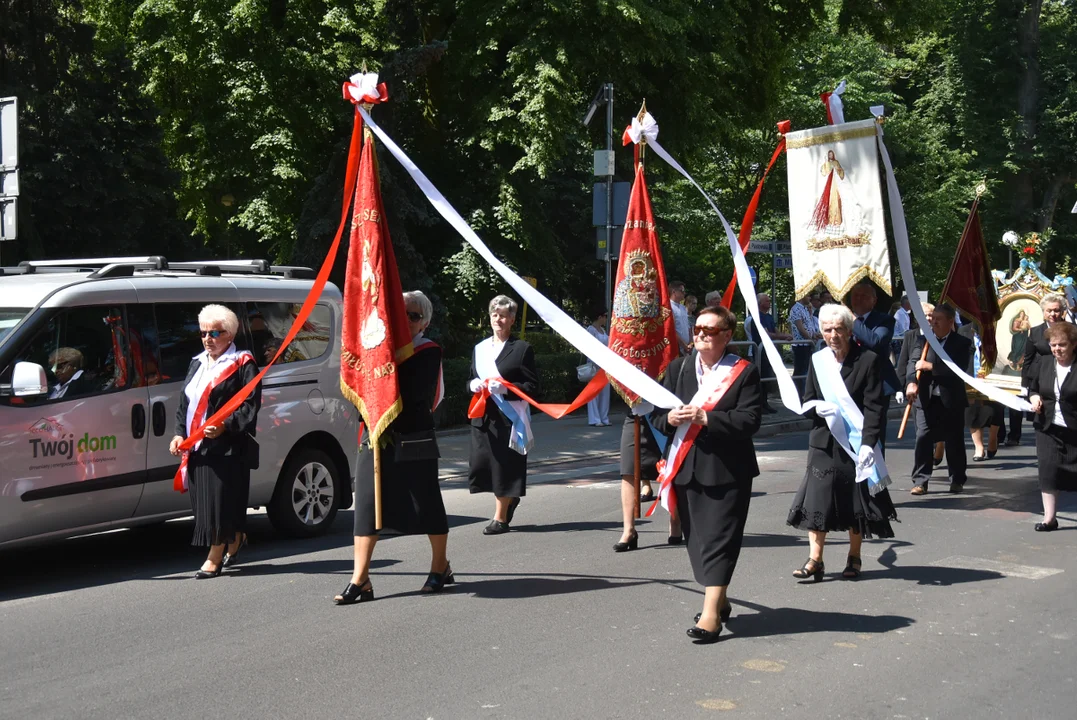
(108, 267)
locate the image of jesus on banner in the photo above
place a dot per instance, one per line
(829, 219)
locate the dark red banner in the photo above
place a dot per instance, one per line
(969, 287)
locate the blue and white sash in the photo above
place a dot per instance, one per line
(517, 412)
(847, 424)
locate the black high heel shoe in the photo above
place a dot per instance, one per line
(230, 558)
(206, 574)
(808, 572)
(436, 582)
(631, 544)
(704, 637)
(723, 614)
(852, 568)
(675, 539)
(356, 594)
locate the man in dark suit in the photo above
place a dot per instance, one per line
(940, 401)
(874, 330)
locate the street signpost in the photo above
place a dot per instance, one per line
(604, 167)
(9, 168)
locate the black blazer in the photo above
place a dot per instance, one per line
(723, 451)
(874, 333)
(1043, 384)
(1035, 347)
(907, 342)
(860, 371)
(951, 387)
(418, 378)
(238, 425)
(515, 363)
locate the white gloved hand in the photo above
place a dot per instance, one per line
(825, 410)
(900, 397)
(475, 384)
(866, 457)
(496, 388)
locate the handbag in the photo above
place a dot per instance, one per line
(586, 372)
(411, 447)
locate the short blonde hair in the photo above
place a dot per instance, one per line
(834, 311)
(425, 306)
(503, 302)
(213, 314)
(1054, 299)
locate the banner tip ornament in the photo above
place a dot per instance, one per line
(364, 89)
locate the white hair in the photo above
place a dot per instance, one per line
(833, 311)
(1054, 299)
(213, 314)
(712, 296)
(503, 302)
(425, 306)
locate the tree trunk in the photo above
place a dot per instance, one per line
(1050, 201)
(1028, 100)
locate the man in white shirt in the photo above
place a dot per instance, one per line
(803, 326)
(680, 315)
(902, 325)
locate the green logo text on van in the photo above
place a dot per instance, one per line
(67, 447)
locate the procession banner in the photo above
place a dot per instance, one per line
(969, 287)
(836, 219)
(642, 329)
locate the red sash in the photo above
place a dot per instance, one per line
(683, 440)
(179, 483)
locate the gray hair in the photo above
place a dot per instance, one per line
(68, 355)
(425, 306)
(833, 311)
(214, 314)
(503, 302)
(1054, 299)
(712, 296)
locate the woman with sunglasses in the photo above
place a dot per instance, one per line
(411, 502)
(218, 467)
(501, 437)
(711, 458)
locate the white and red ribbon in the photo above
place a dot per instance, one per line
(365, 88)
(646, 128)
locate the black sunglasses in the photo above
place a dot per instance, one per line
(211, 333)
(415, 317)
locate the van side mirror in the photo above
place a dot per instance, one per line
(28, 380)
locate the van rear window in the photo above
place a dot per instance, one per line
(270, 322)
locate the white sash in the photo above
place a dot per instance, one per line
(517, 412)
(847, 425)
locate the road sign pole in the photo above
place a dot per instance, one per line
(609, 201)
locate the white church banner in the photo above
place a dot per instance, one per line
(836, 217)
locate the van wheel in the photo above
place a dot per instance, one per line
(307, 498)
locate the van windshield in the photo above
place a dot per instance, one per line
(9, 318)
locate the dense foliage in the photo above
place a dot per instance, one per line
(216, 127)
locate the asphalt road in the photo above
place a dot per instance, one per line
(967, 613)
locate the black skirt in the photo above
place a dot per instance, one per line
(1056, 455)
(219, 486)
(712, 520)
(494, 467)
(830, 499)
(648, 450)
(411, 502)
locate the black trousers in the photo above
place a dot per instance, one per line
(766, 375)
(801, 361)
(936, 423)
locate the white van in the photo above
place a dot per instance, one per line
(93, 354)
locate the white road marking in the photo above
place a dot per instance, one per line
(1026, 572)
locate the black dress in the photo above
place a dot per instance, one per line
(830, 499)
(1056, 446)
(411, 502)
(714, 484)
(218, 472)
(493, 465)
(649, 454)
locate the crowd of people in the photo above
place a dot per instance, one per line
(842, 361)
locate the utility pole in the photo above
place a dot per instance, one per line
(9, 168)
(604, 167)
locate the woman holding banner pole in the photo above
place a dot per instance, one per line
(411, 497)
(501, 436)
(710, 464)
(1053, 394)
(835, 494)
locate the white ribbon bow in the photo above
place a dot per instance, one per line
(648, 128)
(364, 85)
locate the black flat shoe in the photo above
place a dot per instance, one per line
(704, 637)
(230, 558)
(649, 497)
(1046, 527)
(355, 594)
(723, 615)
(807, 571)
(496, 527)
(436, 582)
(956, 488)
(512, 510)
(936, 461)
(852, 568)
(675, 540)
(631, 544)
(991, 454)
(979, 458)
(206, 574)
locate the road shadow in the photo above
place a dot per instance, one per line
(532, 587)
(768, 540)
(795, 621)
(579, 526)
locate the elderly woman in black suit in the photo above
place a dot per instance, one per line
(217, 469)
(830, 498)
(411, 499)
(501, 438)
(1053, 394)
(713, 482)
